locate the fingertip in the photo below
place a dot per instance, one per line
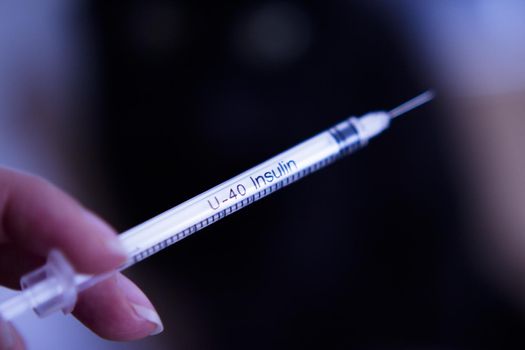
(117, 309)
(140, 304)
(115, 248)
(94, 247)
(150, 315)
(98, 224)
(101, 253)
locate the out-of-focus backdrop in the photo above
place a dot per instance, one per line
(417, 242)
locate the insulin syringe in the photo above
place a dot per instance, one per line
(55, 285)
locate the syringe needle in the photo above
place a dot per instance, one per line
(411, 104)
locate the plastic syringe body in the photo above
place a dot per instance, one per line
(55, 285)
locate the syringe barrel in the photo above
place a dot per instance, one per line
(279, 171)
(285, 168)
(55, 285)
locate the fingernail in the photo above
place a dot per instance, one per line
(116, 247)
(140, 304)
(149, 315)
(7, 338)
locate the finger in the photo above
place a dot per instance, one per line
(38, 217)
(9, 337)
(117, 309)
(14, 263)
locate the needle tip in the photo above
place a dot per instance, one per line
(413, 103)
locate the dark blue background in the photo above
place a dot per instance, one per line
(366, 254)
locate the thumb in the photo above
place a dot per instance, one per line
(10, 339)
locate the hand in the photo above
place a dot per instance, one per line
(36, 217)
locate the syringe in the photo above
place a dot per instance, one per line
(55, 285)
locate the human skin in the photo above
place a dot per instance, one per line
(36, 217)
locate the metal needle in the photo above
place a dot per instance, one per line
(411, 104)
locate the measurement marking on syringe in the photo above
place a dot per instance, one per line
(231, 209)
(264, 183)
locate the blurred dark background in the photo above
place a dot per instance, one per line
(136, 106)
(367, 254)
